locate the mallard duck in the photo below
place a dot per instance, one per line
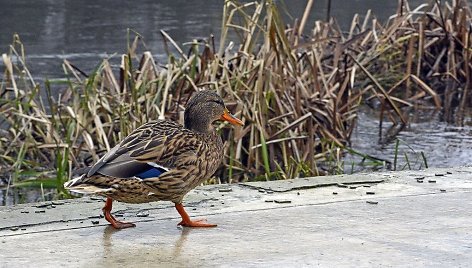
(161, 160)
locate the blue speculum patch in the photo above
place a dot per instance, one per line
(152, 172)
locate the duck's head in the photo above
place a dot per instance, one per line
(204, 108)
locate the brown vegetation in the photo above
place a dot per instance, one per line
(298, 94)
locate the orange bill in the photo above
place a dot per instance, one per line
(227, 116)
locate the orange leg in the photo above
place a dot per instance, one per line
(189, 223)
(116, 224)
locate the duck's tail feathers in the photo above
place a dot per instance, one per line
(77, 185)
(74, 182)
(89, 189)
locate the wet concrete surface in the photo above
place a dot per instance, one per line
(403, 219)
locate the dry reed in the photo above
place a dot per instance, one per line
(297, 93)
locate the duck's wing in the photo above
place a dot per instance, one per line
(149, 151)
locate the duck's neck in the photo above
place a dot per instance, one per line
(199, 124)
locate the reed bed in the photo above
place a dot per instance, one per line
(421, 58)
(297, 91)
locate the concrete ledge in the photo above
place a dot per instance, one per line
(413, 218)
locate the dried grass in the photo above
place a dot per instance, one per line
(298, 94)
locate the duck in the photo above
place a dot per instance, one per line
(161, 160)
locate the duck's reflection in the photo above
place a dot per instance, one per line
(110, 250)
(107, 235)
(179, 244)
(108, 241)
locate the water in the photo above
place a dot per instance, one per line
(443, 144)
(85, 32)
(25, 195)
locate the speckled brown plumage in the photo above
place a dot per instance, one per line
(186, 156)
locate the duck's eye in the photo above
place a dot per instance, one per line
(219, 102)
